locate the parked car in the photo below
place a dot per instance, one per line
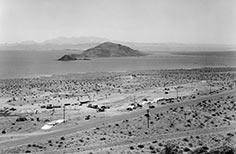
(100, 110)
(151, 106)
(87, 117)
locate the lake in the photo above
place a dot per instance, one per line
(16, 64)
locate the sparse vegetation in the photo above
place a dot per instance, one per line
(192, 127)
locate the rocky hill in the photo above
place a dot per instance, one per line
(107, 49)
(68, 58)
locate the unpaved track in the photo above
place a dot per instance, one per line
(97, 122)
(151, 138)
(159, 137)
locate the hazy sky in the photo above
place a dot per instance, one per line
(182, 21)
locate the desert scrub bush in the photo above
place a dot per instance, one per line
(141, 146)
(223, 150)
(171, 149)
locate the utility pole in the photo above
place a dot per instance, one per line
(148, 117)
(210, 88)
(64, 113)
(134, 99)
(177, 92)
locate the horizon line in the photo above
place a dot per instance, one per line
(107, 40)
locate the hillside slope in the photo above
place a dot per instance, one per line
(107, 49)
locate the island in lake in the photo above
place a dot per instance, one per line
(107, 49)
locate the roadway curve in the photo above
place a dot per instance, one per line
(97, 122)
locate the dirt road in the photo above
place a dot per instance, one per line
(97, 122)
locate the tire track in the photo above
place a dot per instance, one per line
(97, 122)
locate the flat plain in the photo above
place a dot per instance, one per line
(120, 112)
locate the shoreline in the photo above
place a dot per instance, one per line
(100, 72)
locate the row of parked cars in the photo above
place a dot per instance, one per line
(134, 106)
(51, 106)
(150, 103)
(98, 108)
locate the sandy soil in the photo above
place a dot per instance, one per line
(212, 118)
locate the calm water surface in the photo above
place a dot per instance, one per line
(15, 64)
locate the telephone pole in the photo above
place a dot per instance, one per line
(64, 113)
(148, 117)
(177, 92)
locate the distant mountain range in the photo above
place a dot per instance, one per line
(107, 49)
(76, 40)
(60, 43)
(84, 43)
